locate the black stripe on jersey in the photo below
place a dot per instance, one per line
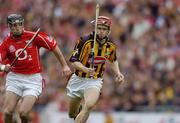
(88, 65)
(102, 66)
(86, 54)
(77, 72)
(83, 74)
(100, 52)
(101, 71)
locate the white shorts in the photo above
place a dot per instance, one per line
(77, 85)
(24, 85)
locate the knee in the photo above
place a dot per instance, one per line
(8, 111)
(7, 114)
(22, 113)
(88, 106)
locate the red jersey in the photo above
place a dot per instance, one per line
(29, 60)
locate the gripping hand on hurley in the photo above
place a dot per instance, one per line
(5, 68)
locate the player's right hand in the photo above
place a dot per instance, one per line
(7, 68)
(90, 71)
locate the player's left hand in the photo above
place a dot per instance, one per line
(119, 78)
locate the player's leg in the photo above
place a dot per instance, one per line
(16, 117)
(91, 96)
(75, 95)
(10, 103)
(26, 106)
(74, 104)
(12, 95)
(32, 89)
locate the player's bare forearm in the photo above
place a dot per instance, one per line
(5, 68)
(115, 67)
(57, 52)
(119, 77)
(81, 67)
(65, 68)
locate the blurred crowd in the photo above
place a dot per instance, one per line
(147, 35)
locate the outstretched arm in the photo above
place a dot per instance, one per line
(66, 70)
(81, 67)
(119, 77)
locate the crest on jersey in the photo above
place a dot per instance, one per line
(49, 38)
(107, 53)
(75, 52)
(12, 48)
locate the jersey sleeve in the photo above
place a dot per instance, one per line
(112, 53)
(45, 41)
(3, 54)
(78, 49)
(3, 51)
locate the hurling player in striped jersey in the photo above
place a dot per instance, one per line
(86, 82)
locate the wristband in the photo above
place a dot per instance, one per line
(2, 67)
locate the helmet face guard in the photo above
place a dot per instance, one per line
(103, 20)
(15, 23)
(14, 18)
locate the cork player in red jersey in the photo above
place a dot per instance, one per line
(24, 80)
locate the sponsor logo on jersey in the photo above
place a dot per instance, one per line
(49, 38)
(98, 60)
(23, 55)
(107, 53)
(12, 48)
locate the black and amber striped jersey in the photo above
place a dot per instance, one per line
(102, 52)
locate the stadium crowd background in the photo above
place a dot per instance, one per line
(147, 35)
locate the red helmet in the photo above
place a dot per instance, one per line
(103, 20)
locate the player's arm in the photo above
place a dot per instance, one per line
(115, 67)
(79, 66)
(119, 77)
(5, 68)
(76, 56)
(48, 42)
(57, 52)
(3, 55)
